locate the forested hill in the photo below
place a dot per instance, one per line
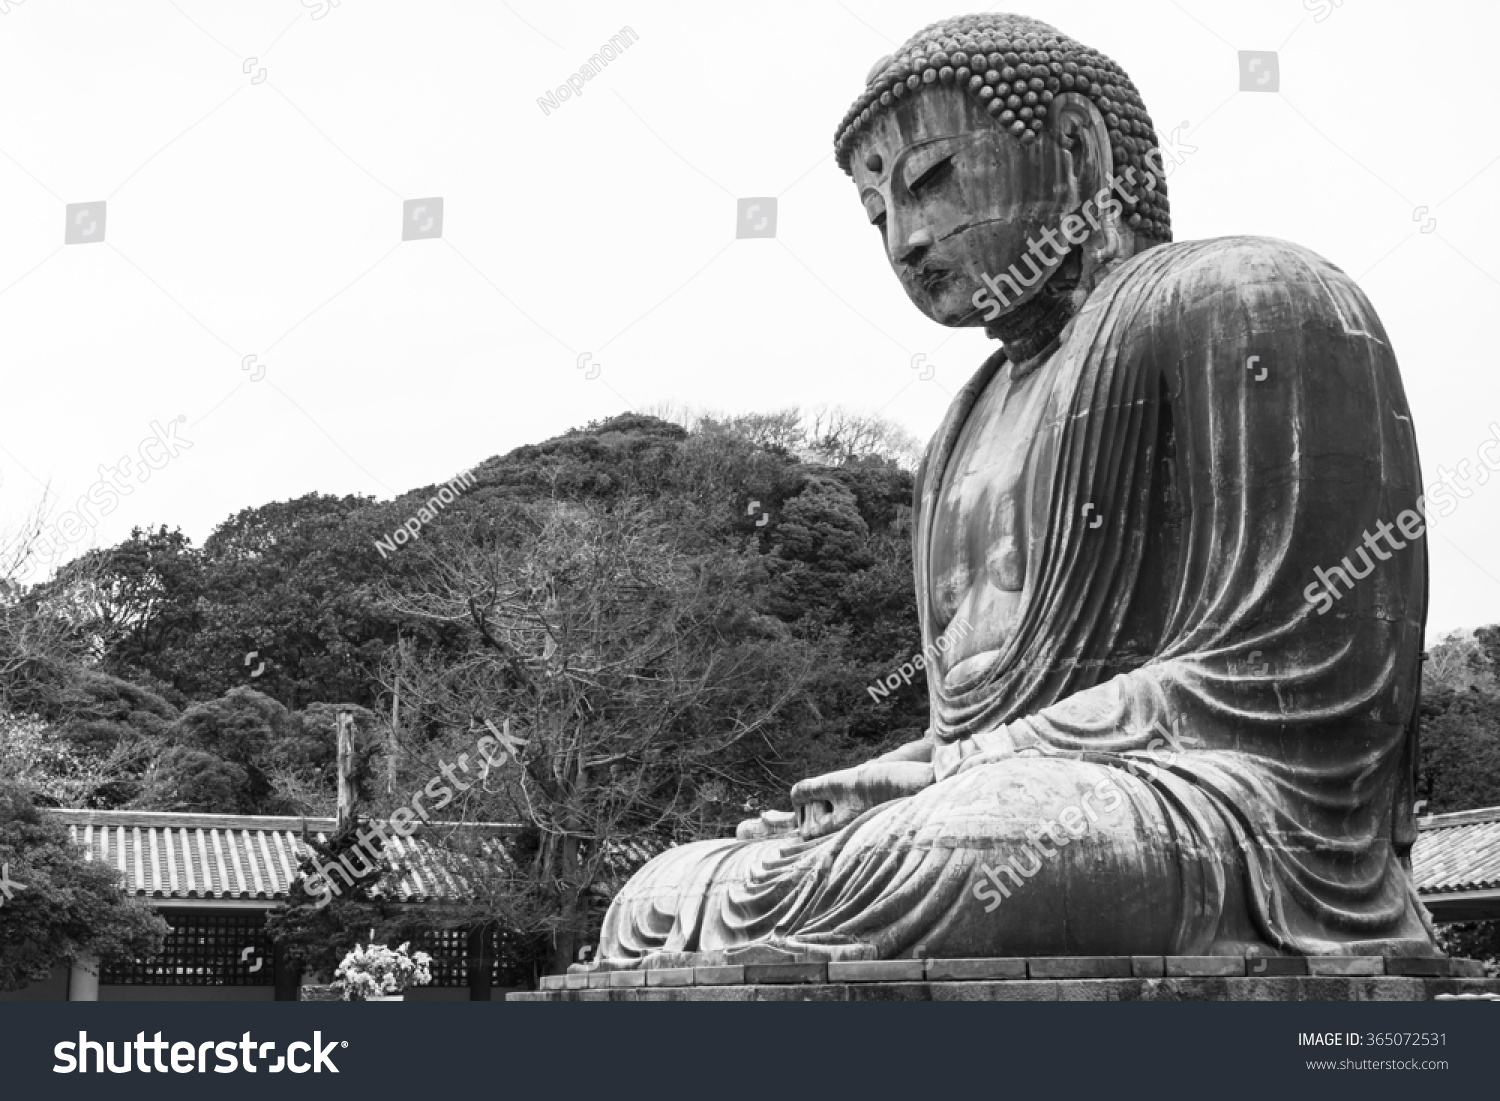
(163, 675)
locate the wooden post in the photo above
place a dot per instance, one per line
(287, 974)
(390, 749)
(480, 961)
(345, 766)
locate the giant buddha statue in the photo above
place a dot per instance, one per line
(1166, 727)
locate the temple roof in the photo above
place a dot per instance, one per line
(1458, 852)
(253, 858)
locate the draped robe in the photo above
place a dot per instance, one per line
(1231, 414)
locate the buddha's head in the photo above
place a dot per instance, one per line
(972, 145)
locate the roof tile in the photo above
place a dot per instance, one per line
(1458, 852)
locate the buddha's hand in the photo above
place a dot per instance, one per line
(890, 776)
(771, 823)
(830, 802)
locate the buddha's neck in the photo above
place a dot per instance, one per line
(1031, 328)
(1028, 329)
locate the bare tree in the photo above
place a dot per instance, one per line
(781, 429)
(34, 642)
(833, 435)
(49, 634)
(19, 547)
(836, 435)
(643, 690)
(1455, 662)
(56, 772)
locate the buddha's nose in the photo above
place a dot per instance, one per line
(919, 240)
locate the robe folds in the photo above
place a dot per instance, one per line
(1197, 734)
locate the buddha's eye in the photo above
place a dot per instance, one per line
(932, 174)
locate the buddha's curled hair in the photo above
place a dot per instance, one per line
(1015, 65)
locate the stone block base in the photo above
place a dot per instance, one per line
(1284, 988)
(1050, 978)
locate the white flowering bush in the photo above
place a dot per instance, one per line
(373, 971)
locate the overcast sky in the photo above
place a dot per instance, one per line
(254, 158)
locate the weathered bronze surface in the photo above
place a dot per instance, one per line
(1162, 735)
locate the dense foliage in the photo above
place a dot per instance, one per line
(58, 907)
(1460, 762)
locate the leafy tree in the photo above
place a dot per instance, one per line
(1460, 761)
(1473, 940)
(137, 605)
(820, 539)
(89, 740)
(1484, 657)
(317, 937)
(245, 753)
(291, 582)
(1460, 724)
(190, 779)
(66, 907)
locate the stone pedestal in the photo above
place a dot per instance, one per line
(1053, 978)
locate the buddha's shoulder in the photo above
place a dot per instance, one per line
(1234, 268)
(1197, 292)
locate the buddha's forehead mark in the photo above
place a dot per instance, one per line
(876, 154)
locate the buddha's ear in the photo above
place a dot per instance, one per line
(1080, 129)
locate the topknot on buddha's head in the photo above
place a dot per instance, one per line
(1014, 66)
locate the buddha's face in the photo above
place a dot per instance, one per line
(955, 198)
